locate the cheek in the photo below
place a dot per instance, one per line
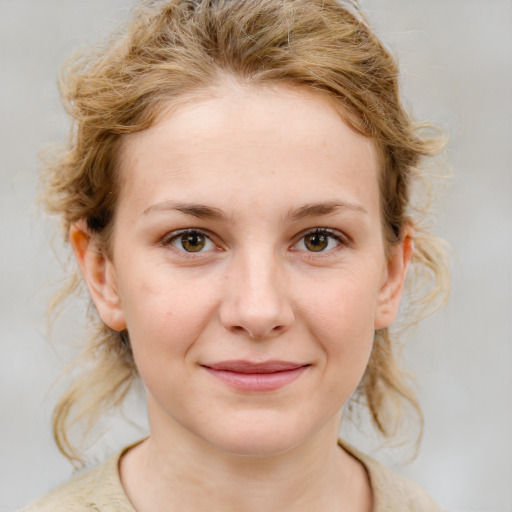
(165, 313)
(341, 315)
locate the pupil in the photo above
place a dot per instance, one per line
(316, 242)
(193, 242)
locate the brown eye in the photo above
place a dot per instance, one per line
(190, 241)
(193, 242)
(320, 240)
(316, 242)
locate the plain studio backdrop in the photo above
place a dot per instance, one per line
(456, 59)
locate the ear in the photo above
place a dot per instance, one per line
(99, 274)
(390, 293)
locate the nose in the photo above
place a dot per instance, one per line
(257, 299)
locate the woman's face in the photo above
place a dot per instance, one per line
(249, 268)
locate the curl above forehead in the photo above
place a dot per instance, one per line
(183, 47)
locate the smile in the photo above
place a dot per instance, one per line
(249, 376)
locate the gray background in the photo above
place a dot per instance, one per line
(456, 56)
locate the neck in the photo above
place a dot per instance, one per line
(181, 472)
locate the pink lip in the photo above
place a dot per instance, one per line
(249, 376)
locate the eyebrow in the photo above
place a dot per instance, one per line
(202, 211)
(325, 208)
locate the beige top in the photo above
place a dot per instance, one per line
(100, 490)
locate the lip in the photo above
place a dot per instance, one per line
(251, 376)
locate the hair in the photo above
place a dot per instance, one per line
(170, 51)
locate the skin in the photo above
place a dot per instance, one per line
(255, 160)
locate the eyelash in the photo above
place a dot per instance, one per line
(340, 239)
(176, 235)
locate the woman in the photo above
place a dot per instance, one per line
(237, 195)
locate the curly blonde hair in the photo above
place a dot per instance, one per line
(172, 49)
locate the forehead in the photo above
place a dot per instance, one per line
(246, 140)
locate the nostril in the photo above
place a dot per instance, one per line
(258, 332)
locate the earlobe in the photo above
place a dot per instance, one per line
(99, 274)
(388, 301)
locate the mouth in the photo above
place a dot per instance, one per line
(251, 376)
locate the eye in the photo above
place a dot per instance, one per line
(190, 241)
(319, 240)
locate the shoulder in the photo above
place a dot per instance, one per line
(97, 489)
(76, 492)
(393, 492)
